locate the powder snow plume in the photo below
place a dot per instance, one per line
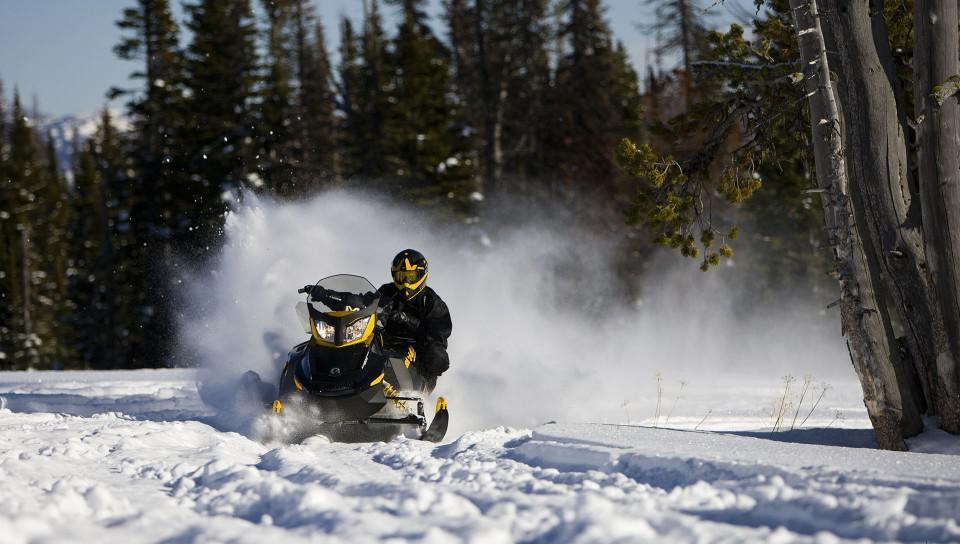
(519, 354)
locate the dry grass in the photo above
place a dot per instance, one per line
(656, 415)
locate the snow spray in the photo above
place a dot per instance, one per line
(519, 355)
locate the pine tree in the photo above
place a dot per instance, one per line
(317, 104)
(596, 102)
(530, 90)
(422, 147)
(157, 114)
(7, 241)
(35, 243)
(23, 170)
(502, 80)
(4, 146)
(366, 83)
(278, 159)
(626, 93)
(94, 301)
(461, 36)
(222, 74)
(682, 28)
(141, 325)
(54, 247)
(349, 130)
(151, 212)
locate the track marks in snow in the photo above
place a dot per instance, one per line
(733, 485)
(72, 478)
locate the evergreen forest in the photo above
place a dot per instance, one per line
(498, 106)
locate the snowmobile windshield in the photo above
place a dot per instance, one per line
(343, 293)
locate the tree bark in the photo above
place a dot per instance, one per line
(867, 339)
(935, 60)
(683, 7)
(876, 153)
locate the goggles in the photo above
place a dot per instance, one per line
(401, 276)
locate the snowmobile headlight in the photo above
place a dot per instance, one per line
(355, 330)
(325, 331)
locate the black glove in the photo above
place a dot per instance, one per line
(396, 316)
(405, 320)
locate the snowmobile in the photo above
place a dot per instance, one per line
(350, 380)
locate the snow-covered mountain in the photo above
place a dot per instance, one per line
(66, 128)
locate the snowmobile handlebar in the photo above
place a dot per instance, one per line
(397, 346)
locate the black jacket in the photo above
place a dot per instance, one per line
(425, 319)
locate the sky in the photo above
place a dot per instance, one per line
(61, 51)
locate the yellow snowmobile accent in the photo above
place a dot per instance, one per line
(441, 404)
(391, 391)
(277, 406)
(411, 357)
(378, 380)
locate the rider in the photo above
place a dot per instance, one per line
(413, 310)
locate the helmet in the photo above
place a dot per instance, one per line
(409, 272)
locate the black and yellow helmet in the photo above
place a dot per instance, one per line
(409, 272)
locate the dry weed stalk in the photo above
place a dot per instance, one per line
(823, 389)
(787, 380)
(677, 398)
(656, 416)
(837, 416)
(807, 380)
(710, 411)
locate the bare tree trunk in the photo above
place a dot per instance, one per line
(935, 61)
(881, 38)
(487, 100)
(683, 7)
(876, 153)
(25, 274)
(867, 340)
(493, 72)
(502, 97)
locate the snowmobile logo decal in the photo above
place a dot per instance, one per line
(410, 358)
(335, 371)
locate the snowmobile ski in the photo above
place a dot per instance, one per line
(438, 427)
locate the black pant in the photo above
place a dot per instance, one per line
(432, 361)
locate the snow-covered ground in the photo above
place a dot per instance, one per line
(135, 456)
(665, 410)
